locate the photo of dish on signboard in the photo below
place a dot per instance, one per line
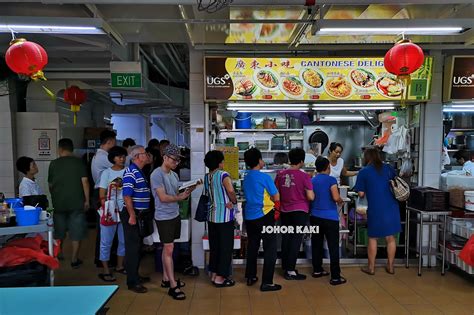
(338, 87)
(245, 87)
(266, 79)
(312, 79)
(362, 79)
(389, 86)
(292, 87)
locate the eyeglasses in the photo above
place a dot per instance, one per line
(146, 153)
(177, 160)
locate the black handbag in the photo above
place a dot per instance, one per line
(202, 210)
(145, 222)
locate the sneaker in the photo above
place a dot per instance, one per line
(297, 276)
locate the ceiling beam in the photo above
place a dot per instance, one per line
(114, 34)
(81, 40)
(277, 50)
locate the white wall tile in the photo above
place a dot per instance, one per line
(7, 168)
(432, 162)
(431, 180)
(198, 255)
(5, 135)
(5, 120)
(433, 138)
(197, 164)
(198, 232)
(6, 153)
(434, 115)
(7, 184)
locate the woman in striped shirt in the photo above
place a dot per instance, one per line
(218, 186)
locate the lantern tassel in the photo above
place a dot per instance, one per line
(49, 93)
(406, 79)
(38, 76)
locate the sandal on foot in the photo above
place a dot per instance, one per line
(122, 271)
(392, 272)
(320, 274)
(367, 271)
(338, 281)
(226, 283)
(175, 294)
(107, 277)
(167, 284)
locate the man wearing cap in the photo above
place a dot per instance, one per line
(164, 184)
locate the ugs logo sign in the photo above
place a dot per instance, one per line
(463, 80)
(222, 81)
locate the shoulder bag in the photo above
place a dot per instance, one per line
(204, 204)
(400, 189)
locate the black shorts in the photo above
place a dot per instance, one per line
(169, 230)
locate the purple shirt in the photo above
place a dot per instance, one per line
(292, 185)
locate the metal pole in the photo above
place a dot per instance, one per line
(420, 245)
(444, 243)
(407, 235)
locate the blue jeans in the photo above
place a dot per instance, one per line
(107, 234)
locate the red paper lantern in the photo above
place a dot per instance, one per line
(404, 58)
(75, 96)
(26, 58)
(388, 63)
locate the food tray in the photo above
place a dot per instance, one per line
(458, 227)
(463, 266)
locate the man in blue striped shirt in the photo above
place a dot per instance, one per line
(136, 195)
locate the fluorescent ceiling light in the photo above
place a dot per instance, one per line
(355, 108)
(54, 25)
(463, 106)
(341, 118)
(52, 29)
(266, 105)
(390, 30)
(269, 110)
(458, 110)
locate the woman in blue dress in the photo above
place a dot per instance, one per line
(383, 213)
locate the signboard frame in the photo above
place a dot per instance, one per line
(225, 78)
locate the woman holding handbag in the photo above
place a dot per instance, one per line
(383, 213)
(111, 199)
(222, 199)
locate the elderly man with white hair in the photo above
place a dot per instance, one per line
(136, 195)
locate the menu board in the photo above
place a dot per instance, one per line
(231, 161)
(310, 79)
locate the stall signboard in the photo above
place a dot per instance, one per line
(310, 79)
(459, 78)
(231, 158)
(126, 74)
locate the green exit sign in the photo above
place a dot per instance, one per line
(126, 80)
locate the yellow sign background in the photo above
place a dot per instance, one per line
(288, 79)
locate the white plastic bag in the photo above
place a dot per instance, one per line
(406, 170)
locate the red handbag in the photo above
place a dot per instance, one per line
(109, 212)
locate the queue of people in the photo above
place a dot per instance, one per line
(126, 195)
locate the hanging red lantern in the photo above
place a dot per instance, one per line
(388, 63)
(402, 60)
(26, 58)
(75, 96)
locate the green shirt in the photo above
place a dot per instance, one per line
(65, 181)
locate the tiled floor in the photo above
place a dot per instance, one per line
(403, 293)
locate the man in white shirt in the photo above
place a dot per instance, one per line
(463, 157)
(100, 162)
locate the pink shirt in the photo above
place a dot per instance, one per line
(292, 185)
